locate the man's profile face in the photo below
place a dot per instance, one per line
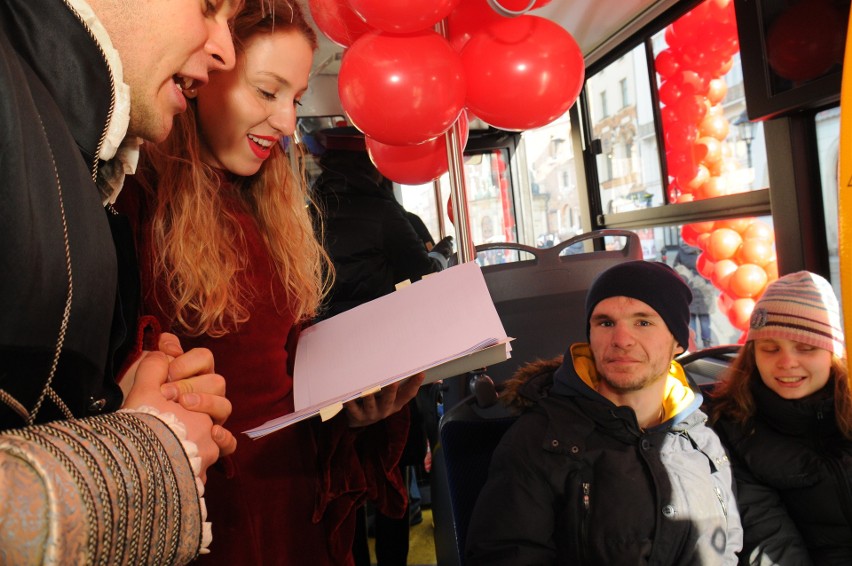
(166, 46)
(631, 345)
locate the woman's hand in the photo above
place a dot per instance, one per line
(373, 408)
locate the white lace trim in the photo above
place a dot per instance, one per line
(117, 128)
(194, 461)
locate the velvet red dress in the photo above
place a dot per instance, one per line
(287, 498)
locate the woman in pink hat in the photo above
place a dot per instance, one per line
(784, 412)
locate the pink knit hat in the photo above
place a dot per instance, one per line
(800, 306)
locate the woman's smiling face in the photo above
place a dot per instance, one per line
(792, 369)
(243, 113)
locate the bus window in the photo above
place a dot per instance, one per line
(622, 118)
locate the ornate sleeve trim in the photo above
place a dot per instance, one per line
(192, 454)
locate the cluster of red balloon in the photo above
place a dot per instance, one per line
(404, 85)
(738, 256)
(699, 53)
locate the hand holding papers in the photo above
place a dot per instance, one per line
(444, 325)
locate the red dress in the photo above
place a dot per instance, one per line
(287, 498)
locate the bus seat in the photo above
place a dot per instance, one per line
(469, 434)
(541, 300)
(705, 368)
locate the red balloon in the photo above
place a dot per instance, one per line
(666, 63)
(469, 17)
(704, 266)
(403, 16)
(337, 21)
(518, 5)
(522, 72)
(740, 313)
(450, 214)
(805, 40)
(414, 164)
(401, 90)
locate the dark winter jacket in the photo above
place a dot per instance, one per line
(370, 240)
(794, 479)
(58, 288)
(576, 481)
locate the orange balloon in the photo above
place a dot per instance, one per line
(703, 227)
(724, 243)
(716, 168)
(723, 270)
(703, 241)
(714, 187)
(758, 252)
(740, 313)
(761, 230)
(738, 224)
(771, 269)
(747, 281)
(714, 126)
(708, 150)
(695, 180)
(716, 90)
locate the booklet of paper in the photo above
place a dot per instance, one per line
(443, 325)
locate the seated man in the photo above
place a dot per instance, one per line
(610, 461)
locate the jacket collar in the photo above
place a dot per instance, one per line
(796, 417)
(118, 153)
(577, 376)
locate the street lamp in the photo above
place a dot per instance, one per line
(745, 129)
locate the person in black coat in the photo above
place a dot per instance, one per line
(367, 233)
(784, 411)
(611, 461)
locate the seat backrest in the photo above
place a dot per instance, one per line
(541, 301)
(469, 434)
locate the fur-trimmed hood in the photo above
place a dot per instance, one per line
(531, 383)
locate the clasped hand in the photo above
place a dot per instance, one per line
(184, 383)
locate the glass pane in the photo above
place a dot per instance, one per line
(727, 263)
(623, 120)
(828, 141)
(554, 210)
(490, 200)
(711, 149)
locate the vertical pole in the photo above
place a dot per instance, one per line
(458, 192)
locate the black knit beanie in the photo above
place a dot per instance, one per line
(652, 282)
